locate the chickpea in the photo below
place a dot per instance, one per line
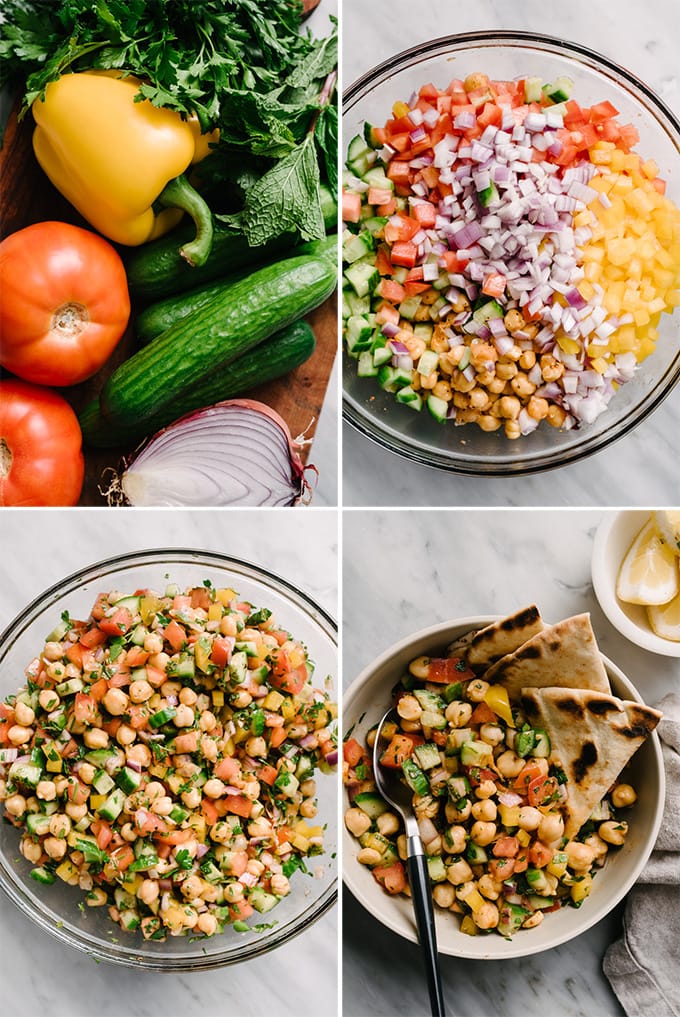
(429, 381)
(57, 671)
(19, 735)
(191, 798)
(529, 818)
(551, 829)
(308, 787)
(458, 713)
(527, 359)
(506, 370)
(538, 408)
(280, 885)
(551, 369)
(369, 856)
(388, 824)
(461, 400)
(125, 735)
(600, 848)
(48, 699)
(221, 832)
(439, 343)
(510, 406)
(514, 321)
(116, 702)
(483, 355)
(492, 734)
(15, 805)
(30, 850)
(415, 344)
(482, 833)
(442, 390)
(479, 399)
(214, 788)
(613, 832)
(486, 789)
(485, 810)
(458, 872)
(184, 717)
(522, 387)
(454, 814)
(55, 847)
(476, 690)
(308, 808)
(409, 708)
(24, 714)
(556, 415)
(579, 856)
(128, 832)
(140, 754)
(96, 738)
(475, 81)
(533, 920)
(239, 700)
(256, 747)
(162, 806)
(60, 825)
(75, 812)
(486, 917)
(208, 721)
(495, 386)
(97, 897)
(623, 795)
(140, 691)
(462, 384)
(489, 887)
(443, 895)
(488, 423)
(191, 887)
(188, 697)
(260, 827)
(46, 790)
(512, 429)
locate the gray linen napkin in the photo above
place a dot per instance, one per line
(643, 967)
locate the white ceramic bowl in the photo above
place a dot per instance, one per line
(366, 701)
(614, 536)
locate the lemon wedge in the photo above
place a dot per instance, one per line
(668, 527)
(665, 619)
(649, 572)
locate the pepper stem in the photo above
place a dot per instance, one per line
(179, 193)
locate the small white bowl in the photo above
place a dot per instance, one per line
(369, 697)
(613, 538)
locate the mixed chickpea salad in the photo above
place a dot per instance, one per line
(487, 801)
(161, 757)
(507, 254)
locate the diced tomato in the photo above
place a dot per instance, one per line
(149, 822)
(412, 289)
(6, 722)
(478, 774)
(379, 195)
(100, 606)
(387, 208)
(76, 792)
(241, 910)
(277, 736)
(392, 877)
(285, 678)
(155, 676)
(69, 750)
(494, 284)
(238, 805)
(540, 855)
(74, 654)
(352, 752)
(351, 206)
(175, 635)
(136, 656)
(452, 262)
(529, 772)
(200, 598)
(522, 861)
(542, 790)
(85, 708)
(221, 651)
(399, 172)
(174, 837)
(227, 769)
(94, 637)
(448, 670)
(139, 717)
(399, 749)
(506, 847)
(426, 214)
(482, 714)
(103, 833)
(602, 111)
(501, 868)
(118, 623)
(119, 860)
(209, 811)
(99, 689)
(391, 290)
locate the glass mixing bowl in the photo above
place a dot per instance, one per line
(508, 55)
(55, 908)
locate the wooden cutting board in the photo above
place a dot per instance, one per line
(27, 197)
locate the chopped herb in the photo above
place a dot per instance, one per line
(66, 620)
(184, 859)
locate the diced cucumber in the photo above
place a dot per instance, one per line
(533, 89)
(371, 803)
(357, 246)
(123, 899)
(162, 716)
(409, 397)
(375, 224)
(304, 768)
(436, 868)
(524, 742)
(100, 757)
(286, 784)
(262, 901)
(423, 331)
(258, 722)
(70, 687)
(131, 603)
(129, 920)
(360, 157)
(238, 667)
(148, 859)
(358, 334)
(456, 739)
(476, 753)
(357, 305)
(485, 310)
(128, 780)
(560, 90)
(453, 691)
(179, 814)
(540, 903)
(366, 368)
(439, 408)
(475, 854)
(429, 700)
(427, 755)
(393, 378)
(43, 875)
(28, 774)
(37, 824)
(113, 806)
(511, 918)
(363, 276)
(541, 747)
(184, 668)
(458, 786)
(102, 782)
(210, 872)
(375, 177)
(58, 632)
(428, 362)
(409, 307)
(415, 778)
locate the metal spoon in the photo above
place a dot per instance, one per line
(394, 791)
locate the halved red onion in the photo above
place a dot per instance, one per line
(237, 452)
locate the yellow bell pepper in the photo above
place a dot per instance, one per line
(120, 162)
(496, 698)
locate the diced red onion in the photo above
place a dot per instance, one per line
(428, 831)
(389, 329)
(9, 755)
(398, 347)
(202, 849)
(133, 765)
(509, 798)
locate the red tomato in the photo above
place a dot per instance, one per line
(65, 303)
(41, 462)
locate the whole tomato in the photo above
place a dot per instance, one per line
(41, 462)
(65, 303)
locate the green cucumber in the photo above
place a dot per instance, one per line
(149, 385)
(280, 354)
(159, 317)
(157, 270)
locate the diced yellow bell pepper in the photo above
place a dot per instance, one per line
(273, 701)
(96, 801)
(217, 697)
(468, 927)
(496, 698)
(300, 843)
(524, 837)
(225, 596)
(580, 890)
(474, 900)
(509, 815)
(68, 872)
(215, 612)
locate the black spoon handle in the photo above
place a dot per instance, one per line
(421, 895)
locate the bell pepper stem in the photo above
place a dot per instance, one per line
(178, 193)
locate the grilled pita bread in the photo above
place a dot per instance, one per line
(565, 654)
(502, 637)
(592, 737)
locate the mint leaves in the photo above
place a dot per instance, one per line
(282, 197)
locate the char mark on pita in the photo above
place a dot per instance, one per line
(502, 637)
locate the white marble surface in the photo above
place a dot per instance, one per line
(644, 37)
(403, 571)
(39, 976)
